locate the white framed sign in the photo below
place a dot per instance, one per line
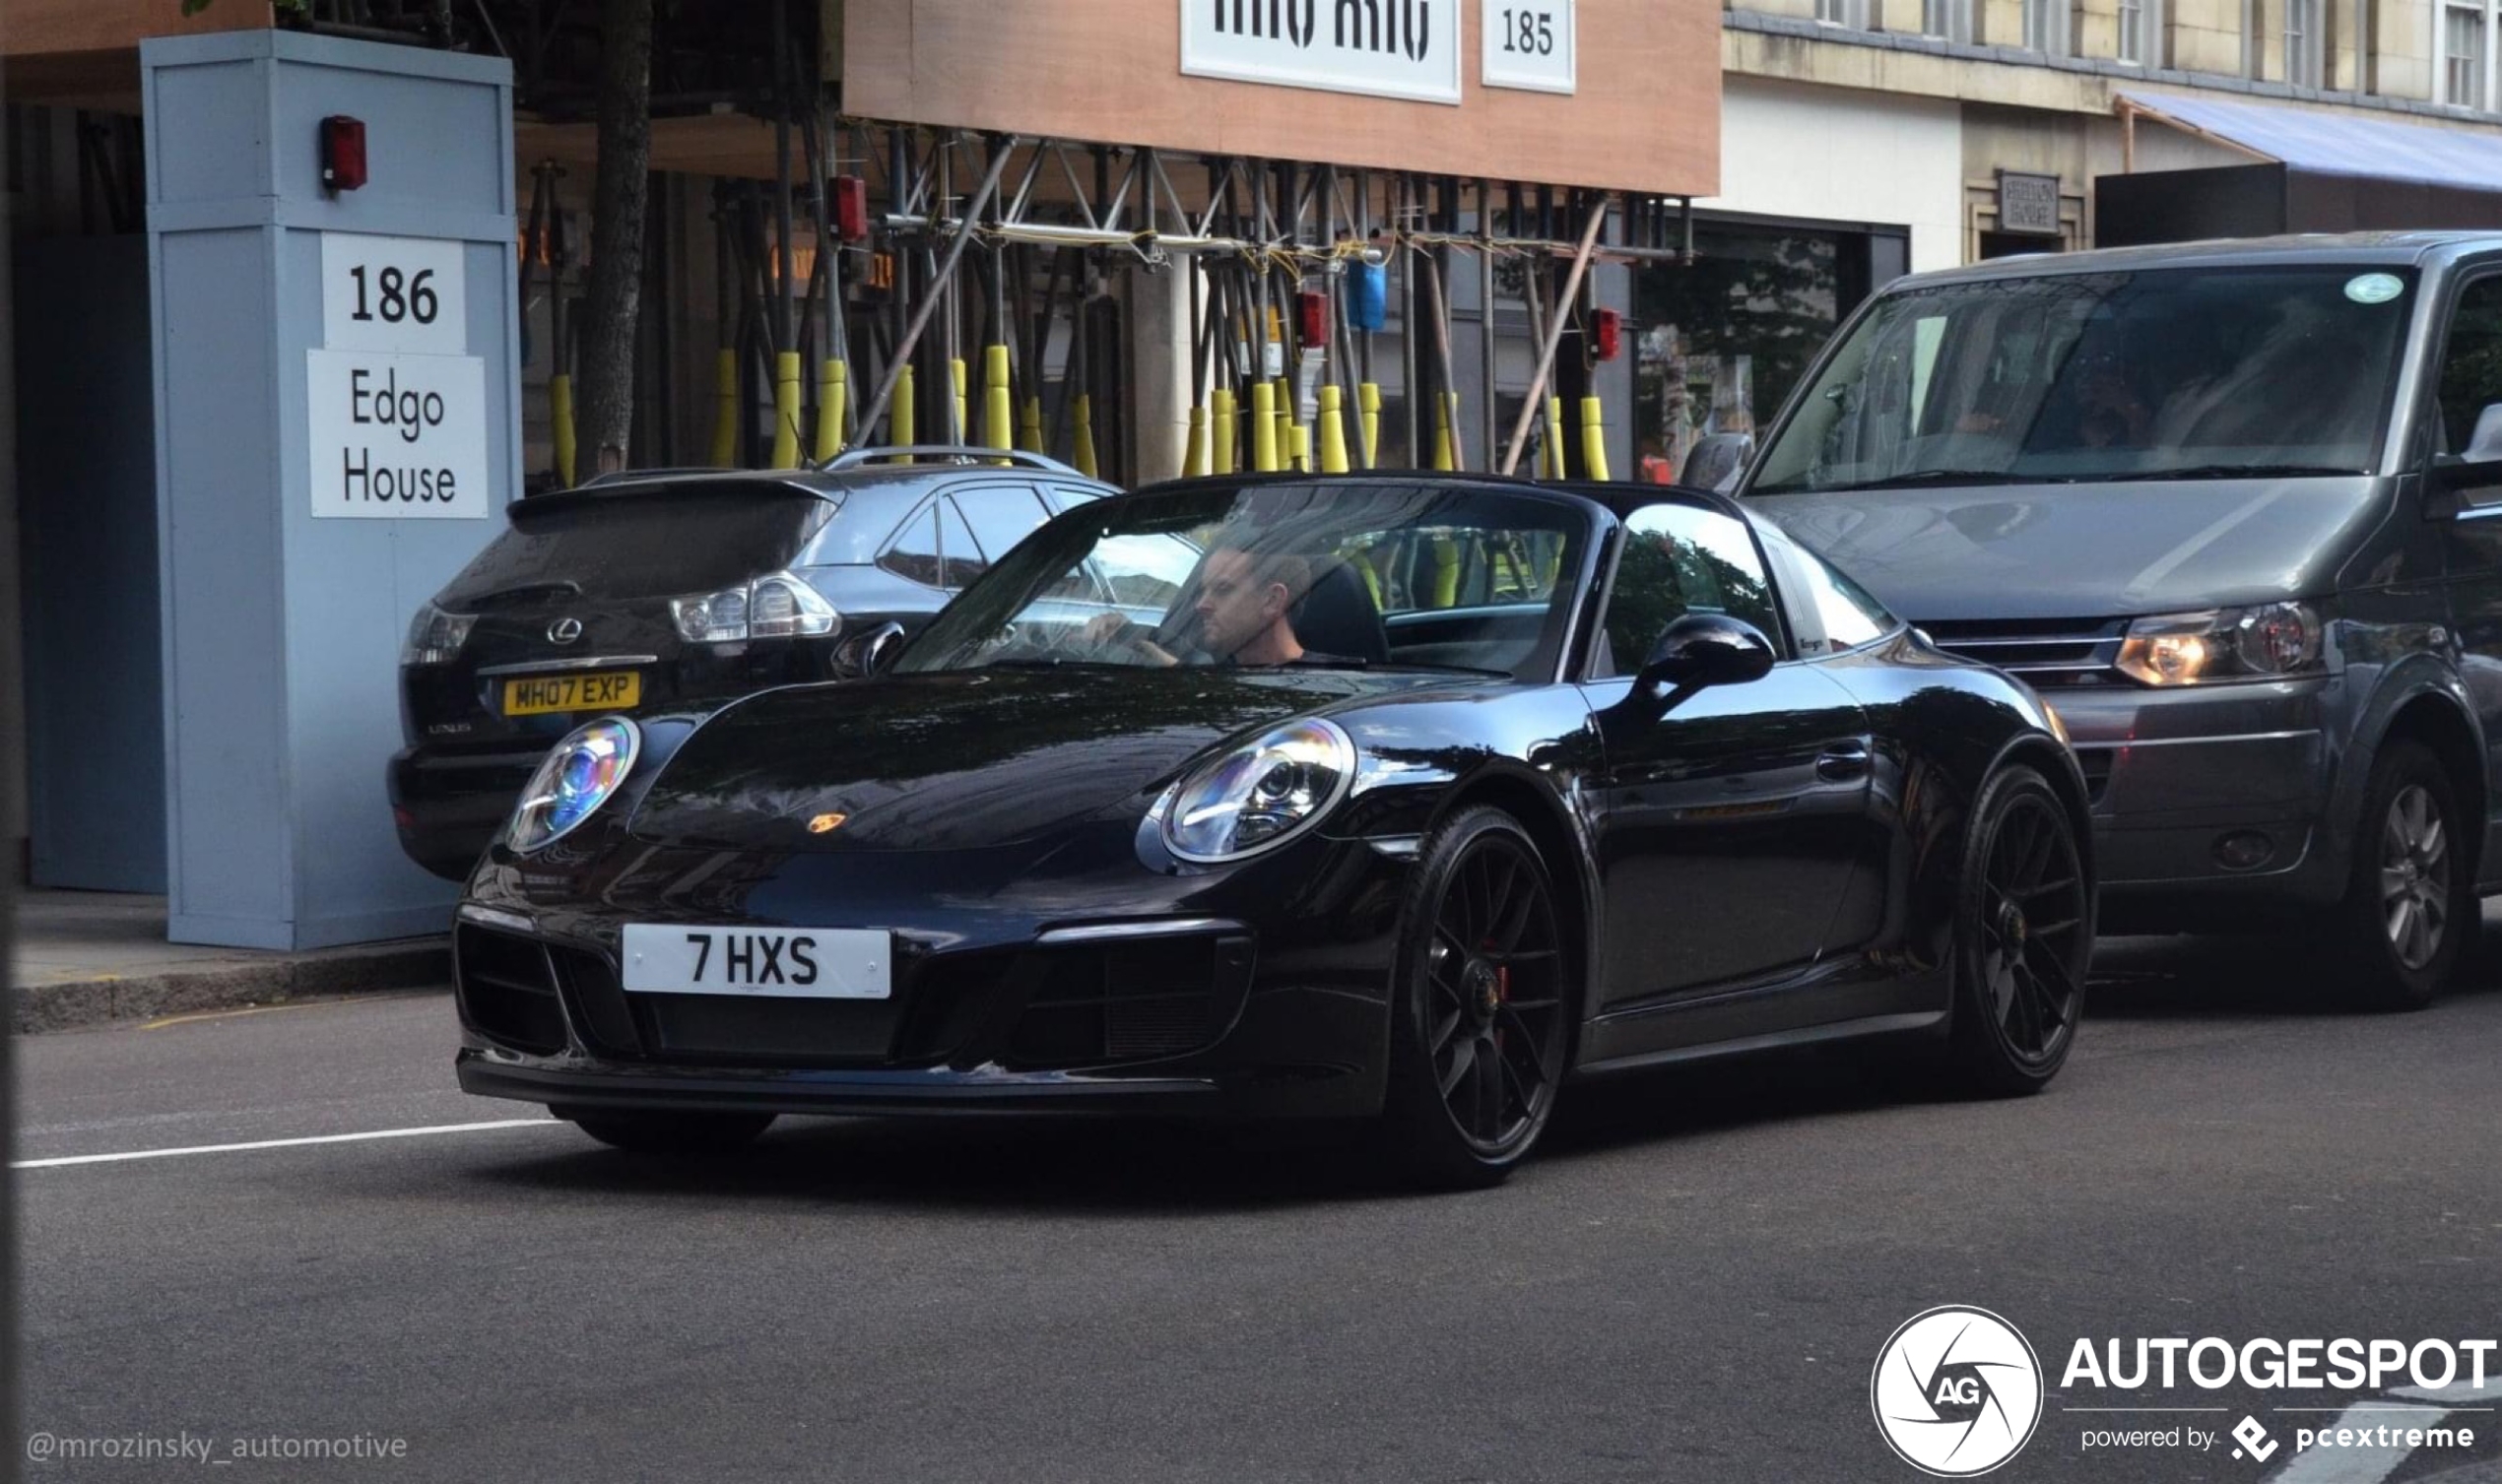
(1528, 43)
(1387, 49)
(394, 294)
(396, 436)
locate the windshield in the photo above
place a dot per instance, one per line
(2195, 373)
(1377, 575)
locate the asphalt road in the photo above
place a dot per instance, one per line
(1693, 1283)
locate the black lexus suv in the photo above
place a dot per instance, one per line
(645, 590)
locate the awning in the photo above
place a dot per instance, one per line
(2335, 144)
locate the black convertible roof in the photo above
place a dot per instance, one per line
(1620, 498)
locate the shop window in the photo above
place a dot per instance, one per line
(1722, 341)
(2467, 40)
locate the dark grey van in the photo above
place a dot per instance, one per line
(2235, 509)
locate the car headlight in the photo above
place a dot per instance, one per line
(1258, 796)
(776, 606)
(435, 636)
(573, 781)
(2262, 643)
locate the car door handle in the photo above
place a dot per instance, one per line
(1842, 762)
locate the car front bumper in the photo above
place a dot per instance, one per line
(2211, 794)
(1168, 1003)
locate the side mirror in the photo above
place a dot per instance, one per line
(2473, 480)
(2485, 445)
(1717, 460)
(878, 647)
(1706, 648)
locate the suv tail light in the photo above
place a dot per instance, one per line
(776, 606)
(435, 636)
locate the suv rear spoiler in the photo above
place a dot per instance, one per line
(950, 452)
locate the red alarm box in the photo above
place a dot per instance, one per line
(342, 153)
(1312, 311)
(1607, 334)
(851, 208)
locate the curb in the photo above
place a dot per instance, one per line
(417, 963)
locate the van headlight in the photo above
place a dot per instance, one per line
(572, 783)
(1260, 795)
(2263, 643)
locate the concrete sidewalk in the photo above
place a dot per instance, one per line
(86, 957)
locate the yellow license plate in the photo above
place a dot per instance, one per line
(605, 690)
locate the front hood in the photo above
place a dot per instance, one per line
(961, 760)
(2084, 551)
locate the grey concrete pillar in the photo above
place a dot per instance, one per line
(336, 434)
(1159, 356)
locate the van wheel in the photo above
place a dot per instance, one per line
(2409, 905)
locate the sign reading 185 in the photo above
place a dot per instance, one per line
(1529, 30)
(393, 294)
(1528, 46)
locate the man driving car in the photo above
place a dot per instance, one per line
(1244, 598)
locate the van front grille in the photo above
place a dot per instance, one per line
(2047, 652)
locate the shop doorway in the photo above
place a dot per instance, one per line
(87, 486)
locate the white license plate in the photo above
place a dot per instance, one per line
(791, 963)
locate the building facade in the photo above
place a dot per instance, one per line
(1861, 138)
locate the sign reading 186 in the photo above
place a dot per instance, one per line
(404, 295)
(1528, 43)
(397, 408)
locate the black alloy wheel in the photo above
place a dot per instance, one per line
(2025, 936)
(1482, 1013)
(2410, 904)
(650, 1132)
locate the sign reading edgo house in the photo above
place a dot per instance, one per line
(397, 410)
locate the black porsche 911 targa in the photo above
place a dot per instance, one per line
(1404, 797)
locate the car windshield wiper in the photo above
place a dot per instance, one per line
(2235, 472)
(1448, 669)
(1916, 480)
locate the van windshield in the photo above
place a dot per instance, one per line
(2183, 373)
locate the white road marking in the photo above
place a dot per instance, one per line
(285, 1143)
(2465, 1390)
(2359, 1465)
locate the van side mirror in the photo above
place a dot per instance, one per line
(2485, 445)
(2473, 480)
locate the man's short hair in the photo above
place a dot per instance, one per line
(1292, 572)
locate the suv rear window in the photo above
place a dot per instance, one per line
(664, 541)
